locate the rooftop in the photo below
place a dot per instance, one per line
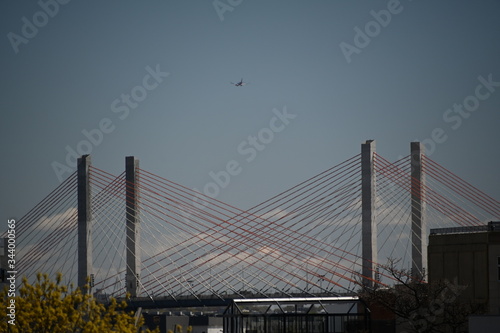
(491, 226)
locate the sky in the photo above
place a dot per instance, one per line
(151, 79)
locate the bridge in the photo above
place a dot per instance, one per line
(169, 246)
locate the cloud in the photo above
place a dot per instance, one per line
(275, 214)
(53, 222)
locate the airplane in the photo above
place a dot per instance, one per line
(239, 84)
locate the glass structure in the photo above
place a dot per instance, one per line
(297, 315)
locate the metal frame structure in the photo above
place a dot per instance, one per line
(294, 315)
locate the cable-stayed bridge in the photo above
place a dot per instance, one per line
(142, 234)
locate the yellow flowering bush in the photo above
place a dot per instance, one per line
(49, 307)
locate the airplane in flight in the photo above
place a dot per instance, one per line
(239, 84)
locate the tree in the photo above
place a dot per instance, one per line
(48, 306)
(425, 307)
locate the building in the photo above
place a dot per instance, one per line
(469, 256)
(308, 314)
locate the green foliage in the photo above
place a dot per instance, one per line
(49, 307)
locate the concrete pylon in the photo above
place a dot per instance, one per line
(84, 222)
(133, 255)
(369, 226)
(418, 222)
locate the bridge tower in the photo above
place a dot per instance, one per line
(132, 277)
(84, 222)
(368, 222)
(418, 222)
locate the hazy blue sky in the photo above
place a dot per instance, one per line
(69, 68)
